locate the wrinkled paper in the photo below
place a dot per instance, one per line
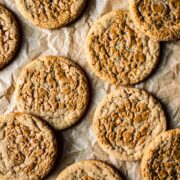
(79, 142)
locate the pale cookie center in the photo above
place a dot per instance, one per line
(127, 126)
(60, 88)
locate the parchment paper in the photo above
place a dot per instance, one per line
(79, 142)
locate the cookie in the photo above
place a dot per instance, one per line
(160, 20)
(89, 170)
(50, 14)
(161, 159)
(9, 36)
(54, 88)
(28, 147)
(118, 53)
(126, 121)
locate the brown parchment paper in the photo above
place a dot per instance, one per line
(79, 142)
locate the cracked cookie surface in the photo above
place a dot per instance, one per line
(50, 14)
(28, 147)
(89, 170)
(161, 159)
(126, 121)
(55, 89)
(9, 36)
(118, 52)
(158, 19)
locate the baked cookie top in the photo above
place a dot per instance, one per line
(55, 89)
(50, 14)
(118, 52)
(28, 147)
(161, 159)
(159, 20)
(9, 36)
(126, 121)
(89, 170)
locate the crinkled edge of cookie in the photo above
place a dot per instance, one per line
(18, 39)
(72, 121)
(136, 19)
(101, 23)
(105, 147)
(83, 164)
(49, 25)
(152, 146)
(49, 131)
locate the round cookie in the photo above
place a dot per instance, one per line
(28, 147)
(9, 36)
(55, 89)
(126, 121)
(89, 170)
(118, 52)
(159, 20)
(161, 159)
(50, 14)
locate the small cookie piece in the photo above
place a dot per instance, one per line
(50, 14)
(118, 52)
(126, 121)
(160, 20)
(9, 36)
(161, 159)
(55, 89)
(28, 147)
(89, 170)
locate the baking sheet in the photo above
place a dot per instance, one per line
(79, 142)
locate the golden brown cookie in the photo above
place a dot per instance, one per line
(161, 160)
(9, 36)
(159, 20)
(50, 14)
(126, 121)
(28, 147)
(89, 170)
(118, 52)
(55, 89)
